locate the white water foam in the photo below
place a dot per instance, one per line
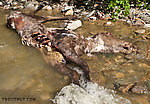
(90, 93)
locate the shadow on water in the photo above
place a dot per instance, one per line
(24, 73)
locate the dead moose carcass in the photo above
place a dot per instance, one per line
(65, 43)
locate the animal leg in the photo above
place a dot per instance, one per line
(72, 56)
(55, 59)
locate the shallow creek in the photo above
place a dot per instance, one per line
(24, 73)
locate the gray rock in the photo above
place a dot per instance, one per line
(74, 25)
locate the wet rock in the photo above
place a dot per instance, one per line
(69, 12)
(142, 31)
(74, 25)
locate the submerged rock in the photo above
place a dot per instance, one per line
(2, 44)
(74, 25)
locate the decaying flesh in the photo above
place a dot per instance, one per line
(67, 45)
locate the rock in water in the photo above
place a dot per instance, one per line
(74, 25)
(2, 44)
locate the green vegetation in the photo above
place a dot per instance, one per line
(113, 6)
(116, 6)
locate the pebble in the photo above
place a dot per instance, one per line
(93, 18)
(128, 21)
(146, 19)
(69, 12)
(109, 24)
(138, 22)
(147, 26)
(15, 3)
(139, 90)
(90, 14)
(119, 75)
(1, 3)
(67, 8)
(74, 25)
(144, 65)
(47, 7)
(32, 6)
(2, 45)
(142, 31)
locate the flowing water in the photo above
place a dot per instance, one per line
(25, 75)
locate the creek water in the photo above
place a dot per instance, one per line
(24, 73)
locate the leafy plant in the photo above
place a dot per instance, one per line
(116, 6)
